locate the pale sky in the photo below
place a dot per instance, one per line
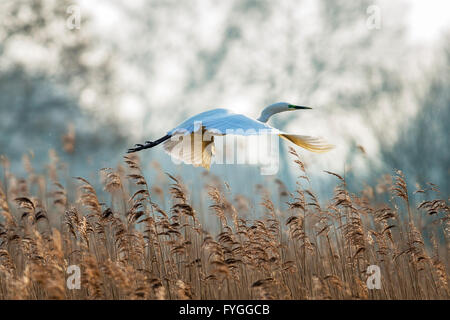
(427, 19)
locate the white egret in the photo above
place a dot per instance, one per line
(223, 121)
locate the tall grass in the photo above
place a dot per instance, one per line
(140, 246)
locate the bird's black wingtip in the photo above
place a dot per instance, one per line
(137, 147)
(132, 150)
(148, 144)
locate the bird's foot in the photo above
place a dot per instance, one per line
(136, 148)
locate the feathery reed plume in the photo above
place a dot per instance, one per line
(68, 139)
(286, 244)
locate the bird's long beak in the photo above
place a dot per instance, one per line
(298, 107)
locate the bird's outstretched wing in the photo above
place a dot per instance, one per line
(223, 121)
(196, 148)
(192, 142)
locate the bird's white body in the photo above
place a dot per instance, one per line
(217, 122)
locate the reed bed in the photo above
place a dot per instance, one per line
(150, 242)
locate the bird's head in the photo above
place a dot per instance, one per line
(277, 108)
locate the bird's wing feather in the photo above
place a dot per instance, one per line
(191, 149)
(238, 124)
(223, 121)
(188, 126)
(214, 122)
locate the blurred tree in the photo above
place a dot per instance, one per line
(53, 77)
(422, 149)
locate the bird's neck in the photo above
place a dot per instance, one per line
(270, 111)
(264, 117)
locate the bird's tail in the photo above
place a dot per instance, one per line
(309, 143)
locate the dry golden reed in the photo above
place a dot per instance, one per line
(136, 240)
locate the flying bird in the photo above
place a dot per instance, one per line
(219, 122)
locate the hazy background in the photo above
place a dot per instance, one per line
(133, 71)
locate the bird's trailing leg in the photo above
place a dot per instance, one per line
(148, 144)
